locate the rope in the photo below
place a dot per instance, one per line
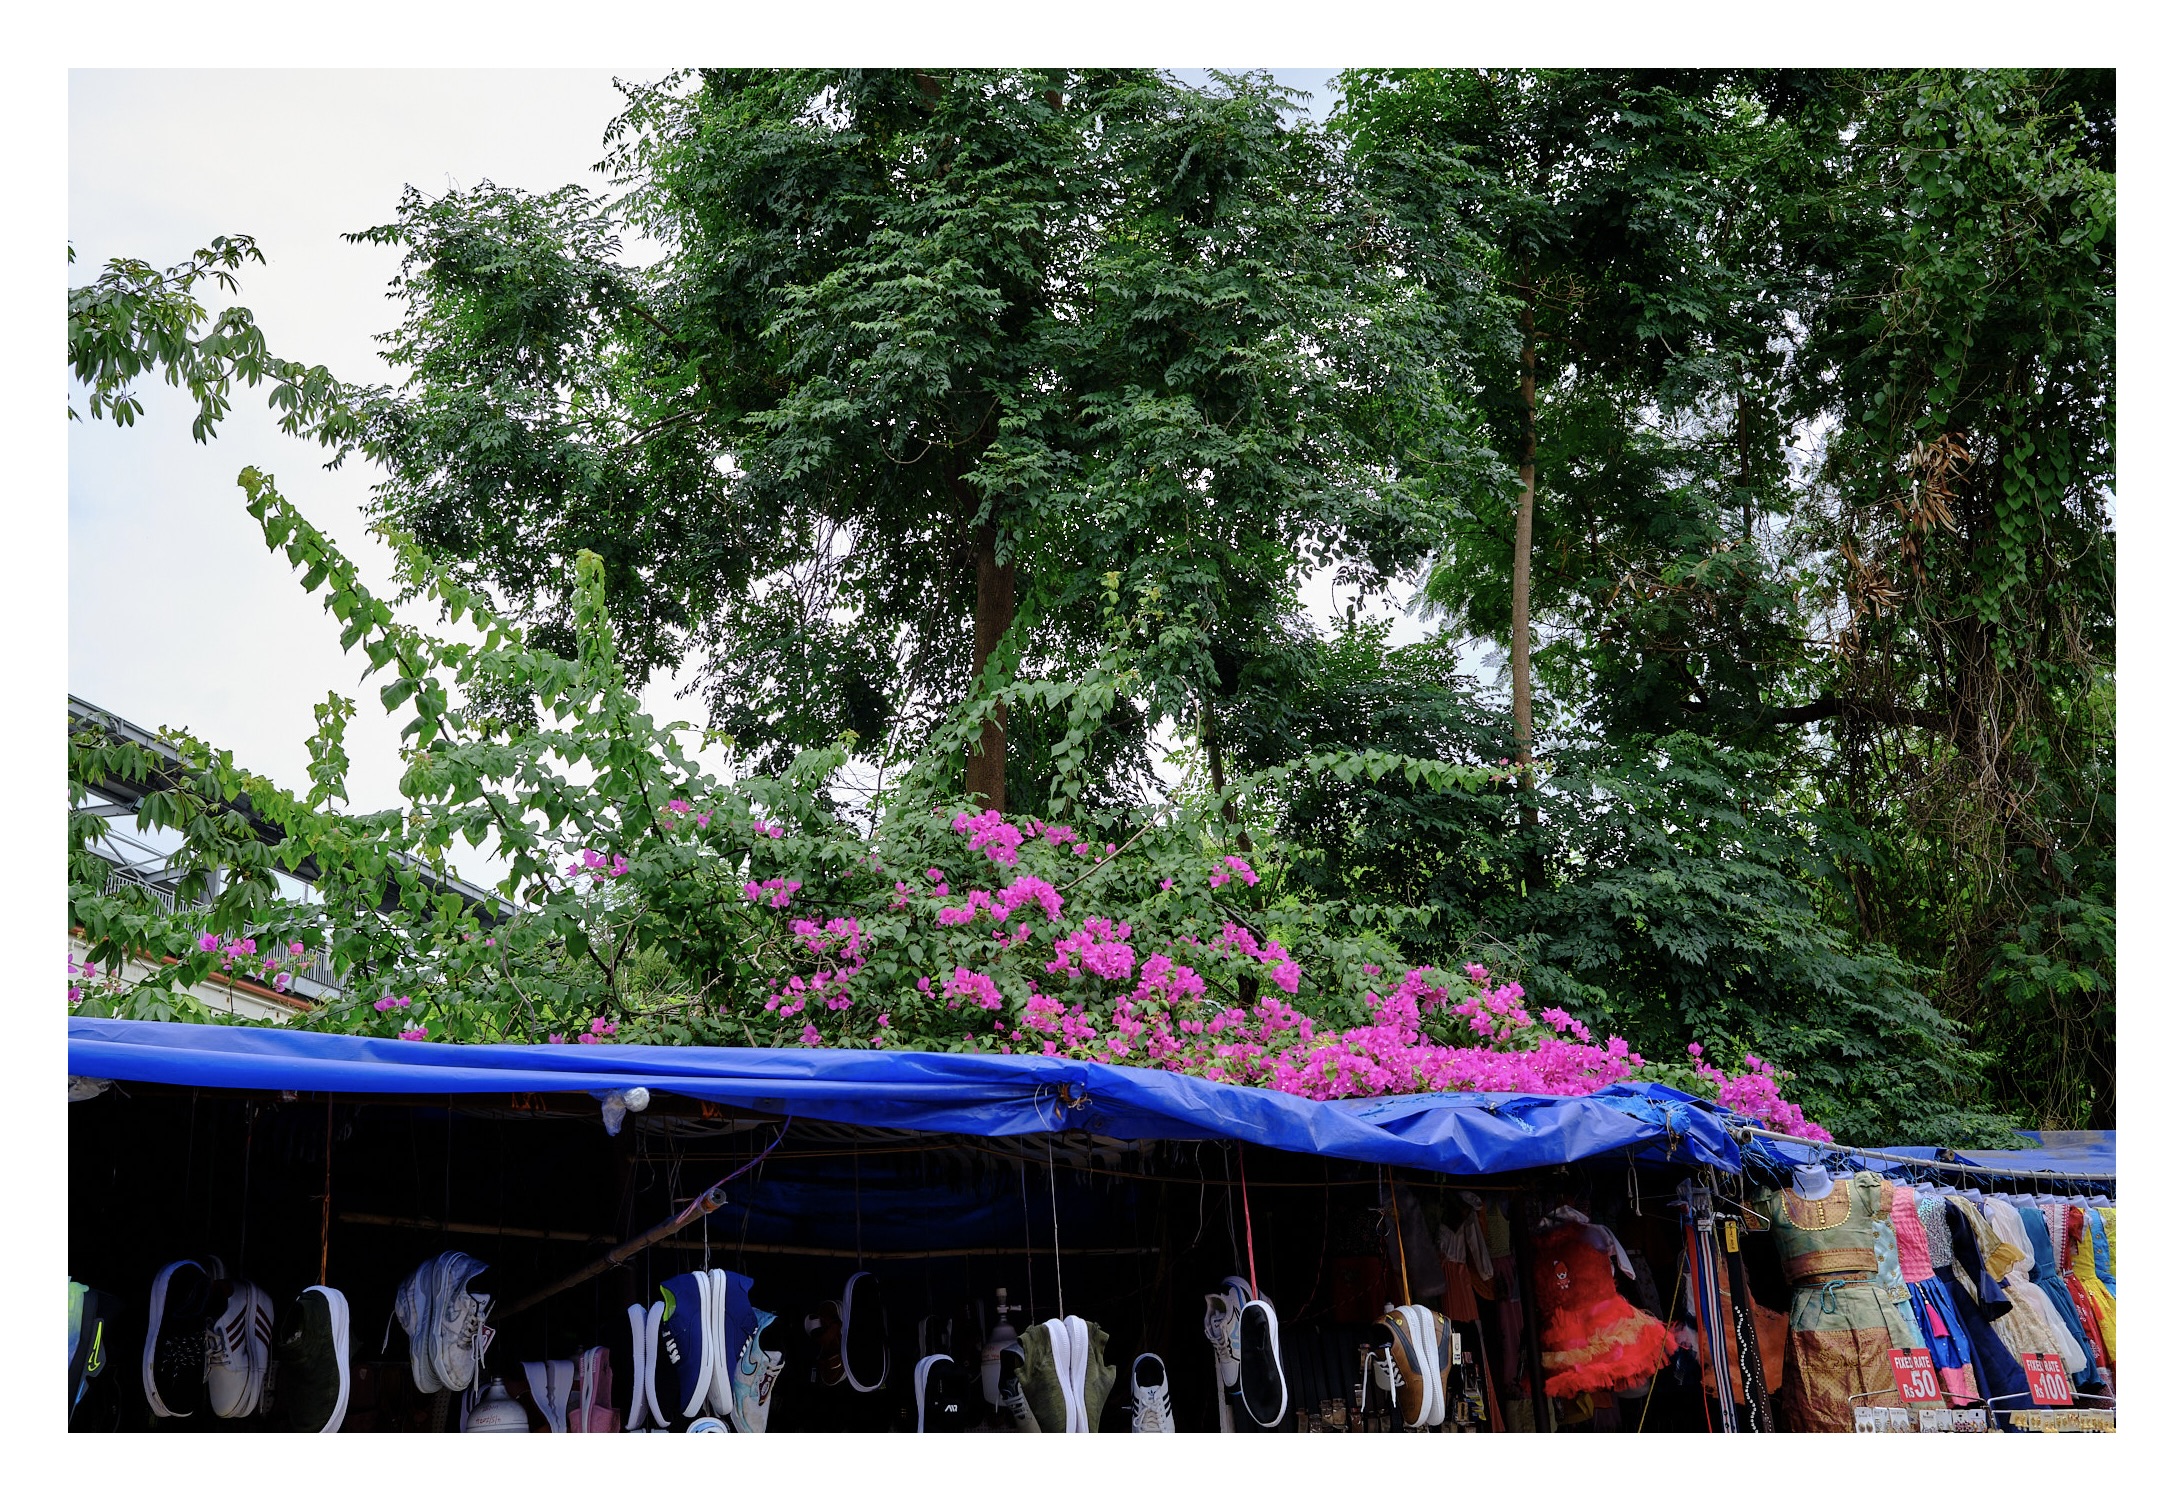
(1251, 1253)
(1054, 1209)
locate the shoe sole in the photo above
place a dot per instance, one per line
(1274, 1354)
(849, 1307)
(637, 1378)
(1435, 1409)
(917, 1384)
(337, 1309)
(654, 1317)
(422, 1375)
(151, 1336)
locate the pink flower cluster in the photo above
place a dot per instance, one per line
(597, 865)
(989, 834)
(677, 806)
(412, 1034)
(391, 1003)
(841, 939)
(600, 1031)
(1758, 1094)
(1016, 894)
(1284, 973)
(1238, 868)
(776, 892)
(1100, 945)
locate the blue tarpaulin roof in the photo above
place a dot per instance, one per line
(979, 1094)
(2091, 1154)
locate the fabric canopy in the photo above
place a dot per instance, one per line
(980, 1094)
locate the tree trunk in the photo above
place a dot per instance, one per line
(1520, 601)
(986, 774)
(1520, 578)
(1230, 813)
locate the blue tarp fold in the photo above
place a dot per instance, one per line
(976, 1094)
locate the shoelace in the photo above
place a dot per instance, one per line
(1157, 1407)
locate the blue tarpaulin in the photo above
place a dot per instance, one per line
(978, 1094)
(2090, 1154)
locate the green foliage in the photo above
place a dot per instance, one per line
(1823, 570)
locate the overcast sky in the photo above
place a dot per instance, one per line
(177, 613)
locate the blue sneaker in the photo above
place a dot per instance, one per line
(733, 1325)
(684, 1378)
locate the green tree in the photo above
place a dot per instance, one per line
(934, 363)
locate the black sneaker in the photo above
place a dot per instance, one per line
(174, 1337)
(937, 1395)
(1263, 1393)
(311, 1355)
(864, 1333)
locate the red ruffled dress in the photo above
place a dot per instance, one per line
(1591, 1339)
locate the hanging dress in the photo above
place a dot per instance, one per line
(1933, 1315)
(1843, 1318)
(1590, 1338)
(1953, 1245)
(2104, 1264)
(2032, 1326)
(2096, 1305)
(2047, 1277)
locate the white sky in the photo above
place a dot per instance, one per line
(177, 614)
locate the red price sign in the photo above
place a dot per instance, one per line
(1915, 1375)
(2050, 1387)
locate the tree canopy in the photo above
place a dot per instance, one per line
(1755, 426)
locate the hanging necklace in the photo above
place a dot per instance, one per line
(1796, 1208)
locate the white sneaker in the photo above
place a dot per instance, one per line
(413, 1309)
(1224, 1333)
(708, 1425)
(658, 1414)
(458, 1314)
(238, 1346)
(640, 1375)
(1151, 1411)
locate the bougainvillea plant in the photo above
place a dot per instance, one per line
(647, 900)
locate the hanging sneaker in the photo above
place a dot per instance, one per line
(1222, 1312)
(708, 1425)
(864, 1333)
(640, 1379)
(89, 1349)
(174, 1337)
(238, 1345)
(413, 1310)
(1015, 1403)
(591, 1403)
(825, 1329)
(751, 1383)
(735, 1322)
(1044, 1382)
(1380, 1383)
(1151, 1411)
(1262, 1390)
(457, 1316)
(655, 1411)
(685, 1378)
(1412, 1367)
(312, 1350)
(936, 1395)
(1098, 1379)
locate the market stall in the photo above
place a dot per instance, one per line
(884, 1240)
